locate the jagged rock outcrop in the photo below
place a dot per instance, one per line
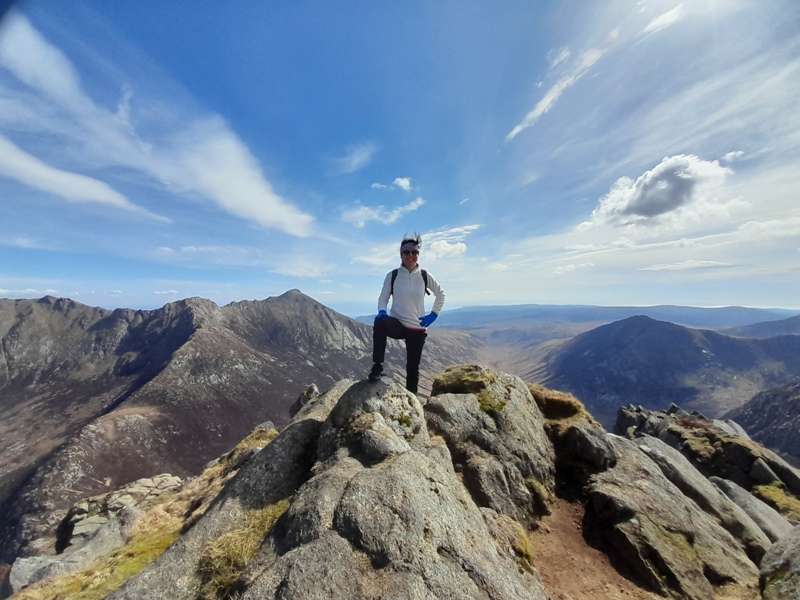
(769, 520)
(780, 569)
(495, 433)
(377, 511)
(661, 535)
(714, 447)
(677, 468)
(368, 493)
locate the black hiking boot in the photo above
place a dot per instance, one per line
(377, 371)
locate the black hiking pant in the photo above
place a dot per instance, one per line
(415, 340)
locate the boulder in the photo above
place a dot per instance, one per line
(495, 432)
(106, 536)
(779, 578)
(771, 522)
(665, 538)
(677, 468)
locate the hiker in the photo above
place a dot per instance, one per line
(407, 286)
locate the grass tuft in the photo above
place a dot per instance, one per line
(224, 559)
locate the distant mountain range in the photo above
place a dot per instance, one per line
(653, 363)
(477, 317)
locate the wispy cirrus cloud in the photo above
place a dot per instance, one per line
(197, 155)
(665, 20)
(355, 158)
(17, 164)
(359, 215)
(585, 62)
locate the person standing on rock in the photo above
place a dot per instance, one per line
(407, 286)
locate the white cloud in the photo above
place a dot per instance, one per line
(443, 249)
(450, 234)
(17, 164)
(217, 163)
(359, 215)
(732, 156)
(24, 52)
(304, 269)
(556, 57)
(681, 187)
(356, 158)
(562, 270)
(198, 155)
(215, 255)
(585, 62)
(665, 20)
(404, 183)
(686, 265)
(165, 292)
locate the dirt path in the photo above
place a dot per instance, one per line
(570, 568)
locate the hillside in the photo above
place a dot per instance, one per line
(653, 363)
(790, 326)
(772, 417)
(90, 398)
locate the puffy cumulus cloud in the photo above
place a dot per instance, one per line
(404, 183)
(732, 156)
(443, 249)
(679, 184)
(359, 215)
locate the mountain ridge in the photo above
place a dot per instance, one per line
(90, 397)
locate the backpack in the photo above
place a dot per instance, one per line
(424, 279)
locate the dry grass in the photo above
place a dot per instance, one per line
(152, 534)
(224, 559)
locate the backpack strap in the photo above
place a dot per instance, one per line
(424, 280)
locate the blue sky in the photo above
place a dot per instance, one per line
(551, 152)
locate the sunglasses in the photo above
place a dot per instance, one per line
(409, 252)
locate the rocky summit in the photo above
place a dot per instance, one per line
(369, 493)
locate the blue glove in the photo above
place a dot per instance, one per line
(428, 319)
(381, 315)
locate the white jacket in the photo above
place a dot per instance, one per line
(408, 299)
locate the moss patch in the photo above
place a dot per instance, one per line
(778, 498)
(107, 574)
(541, 496)
(463, 379)
(224, 559)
